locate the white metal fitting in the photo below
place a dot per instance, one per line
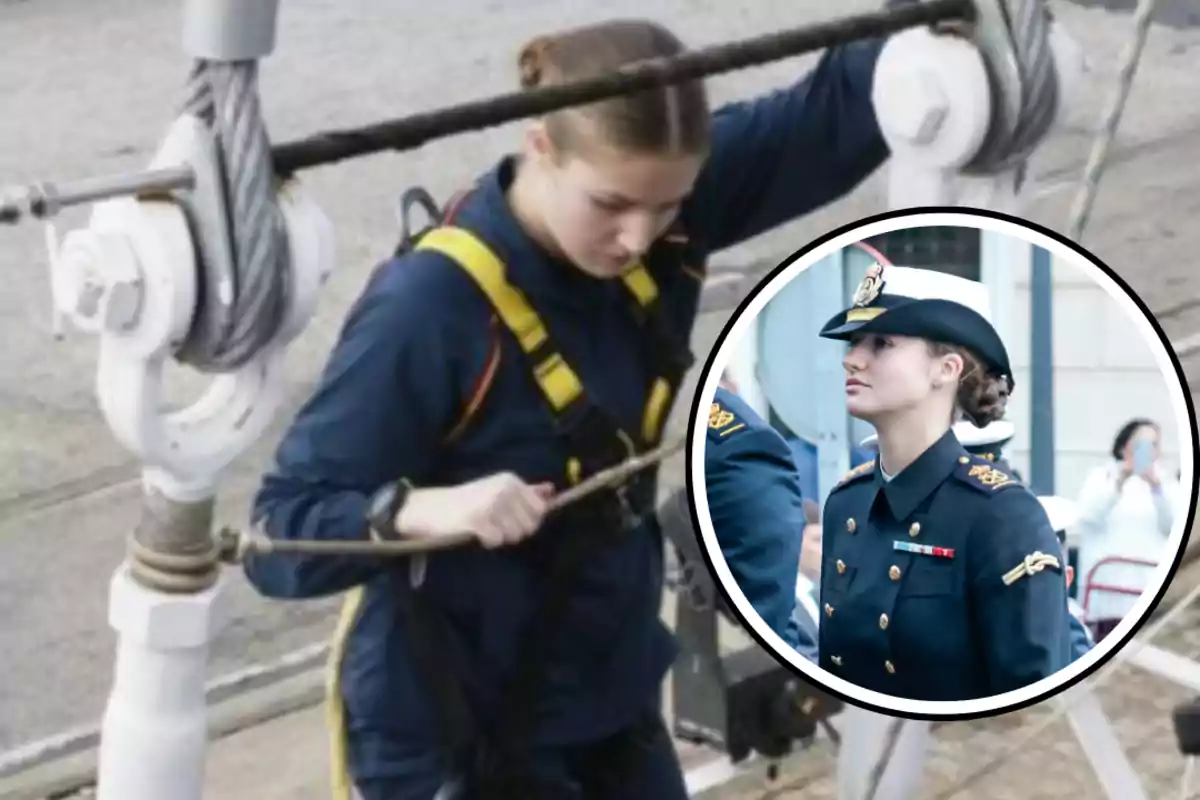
(932, 98)
(132, 277)
(229, 30)
(97, 282)
(165, 622)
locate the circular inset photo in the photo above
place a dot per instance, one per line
(947, 469)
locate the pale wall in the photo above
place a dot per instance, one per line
(1105, 373)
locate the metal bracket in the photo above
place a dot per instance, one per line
(229, 30)
(140, 255)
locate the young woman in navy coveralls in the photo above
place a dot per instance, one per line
(429, 408)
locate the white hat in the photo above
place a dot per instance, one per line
(932, 284)
(1063, 513)
(968, 434)
(971, 435)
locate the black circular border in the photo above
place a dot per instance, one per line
(971, 212)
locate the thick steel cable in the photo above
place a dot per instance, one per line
(1009, 142)
(240, 308)
(243, 311)
(1090, 186)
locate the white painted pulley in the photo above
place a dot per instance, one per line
(932, 99)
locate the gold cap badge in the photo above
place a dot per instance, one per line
(870, 286)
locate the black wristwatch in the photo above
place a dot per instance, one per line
(383, 507)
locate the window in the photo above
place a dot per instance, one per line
(952, 249)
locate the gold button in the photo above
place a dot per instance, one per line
(964, 460)
(837, 660)
(851, 525)
(828, 610)
(894, 573)
(883, 621)
(841, 567)
(915, 529)
(890, 667)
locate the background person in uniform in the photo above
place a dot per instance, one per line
(1127, 508)
(755, 505)
(986, 442)
(935, 562)
(428, 387)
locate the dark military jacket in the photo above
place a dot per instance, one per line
(944, 583)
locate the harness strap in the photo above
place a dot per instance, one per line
(590, 435)
(558, 382)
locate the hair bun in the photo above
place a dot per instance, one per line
(531, 63)
(993, 398)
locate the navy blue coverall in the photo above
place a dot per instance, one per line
(420, 343)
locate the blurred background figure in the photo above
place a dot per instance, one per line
(1064, 515)
(756, 506)
(987, 442)
(1127, 507)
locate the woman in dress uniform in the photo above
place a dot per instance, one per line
(941, 576)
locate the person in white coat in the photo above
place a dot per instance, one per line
(1127, 508)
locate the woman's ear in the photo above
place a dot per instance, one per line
(539, 147)
(949, 369)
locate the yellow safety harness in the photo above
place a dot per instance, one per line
(594, 441)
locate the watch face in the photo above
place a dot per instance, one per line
(381, 504)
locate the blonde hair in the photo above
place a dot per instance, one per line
(666, 120)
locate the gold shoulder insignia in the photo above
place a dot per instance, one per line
(1034, 563)
(864, 468)
(985, 476)
(720, 419)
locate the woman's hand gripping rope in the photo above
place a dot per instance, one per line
(519, 506)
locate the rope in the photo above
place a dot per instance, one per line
(234, 546)
(1090, 187)
(241, 312)
(891, 739)
(1094, 684)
